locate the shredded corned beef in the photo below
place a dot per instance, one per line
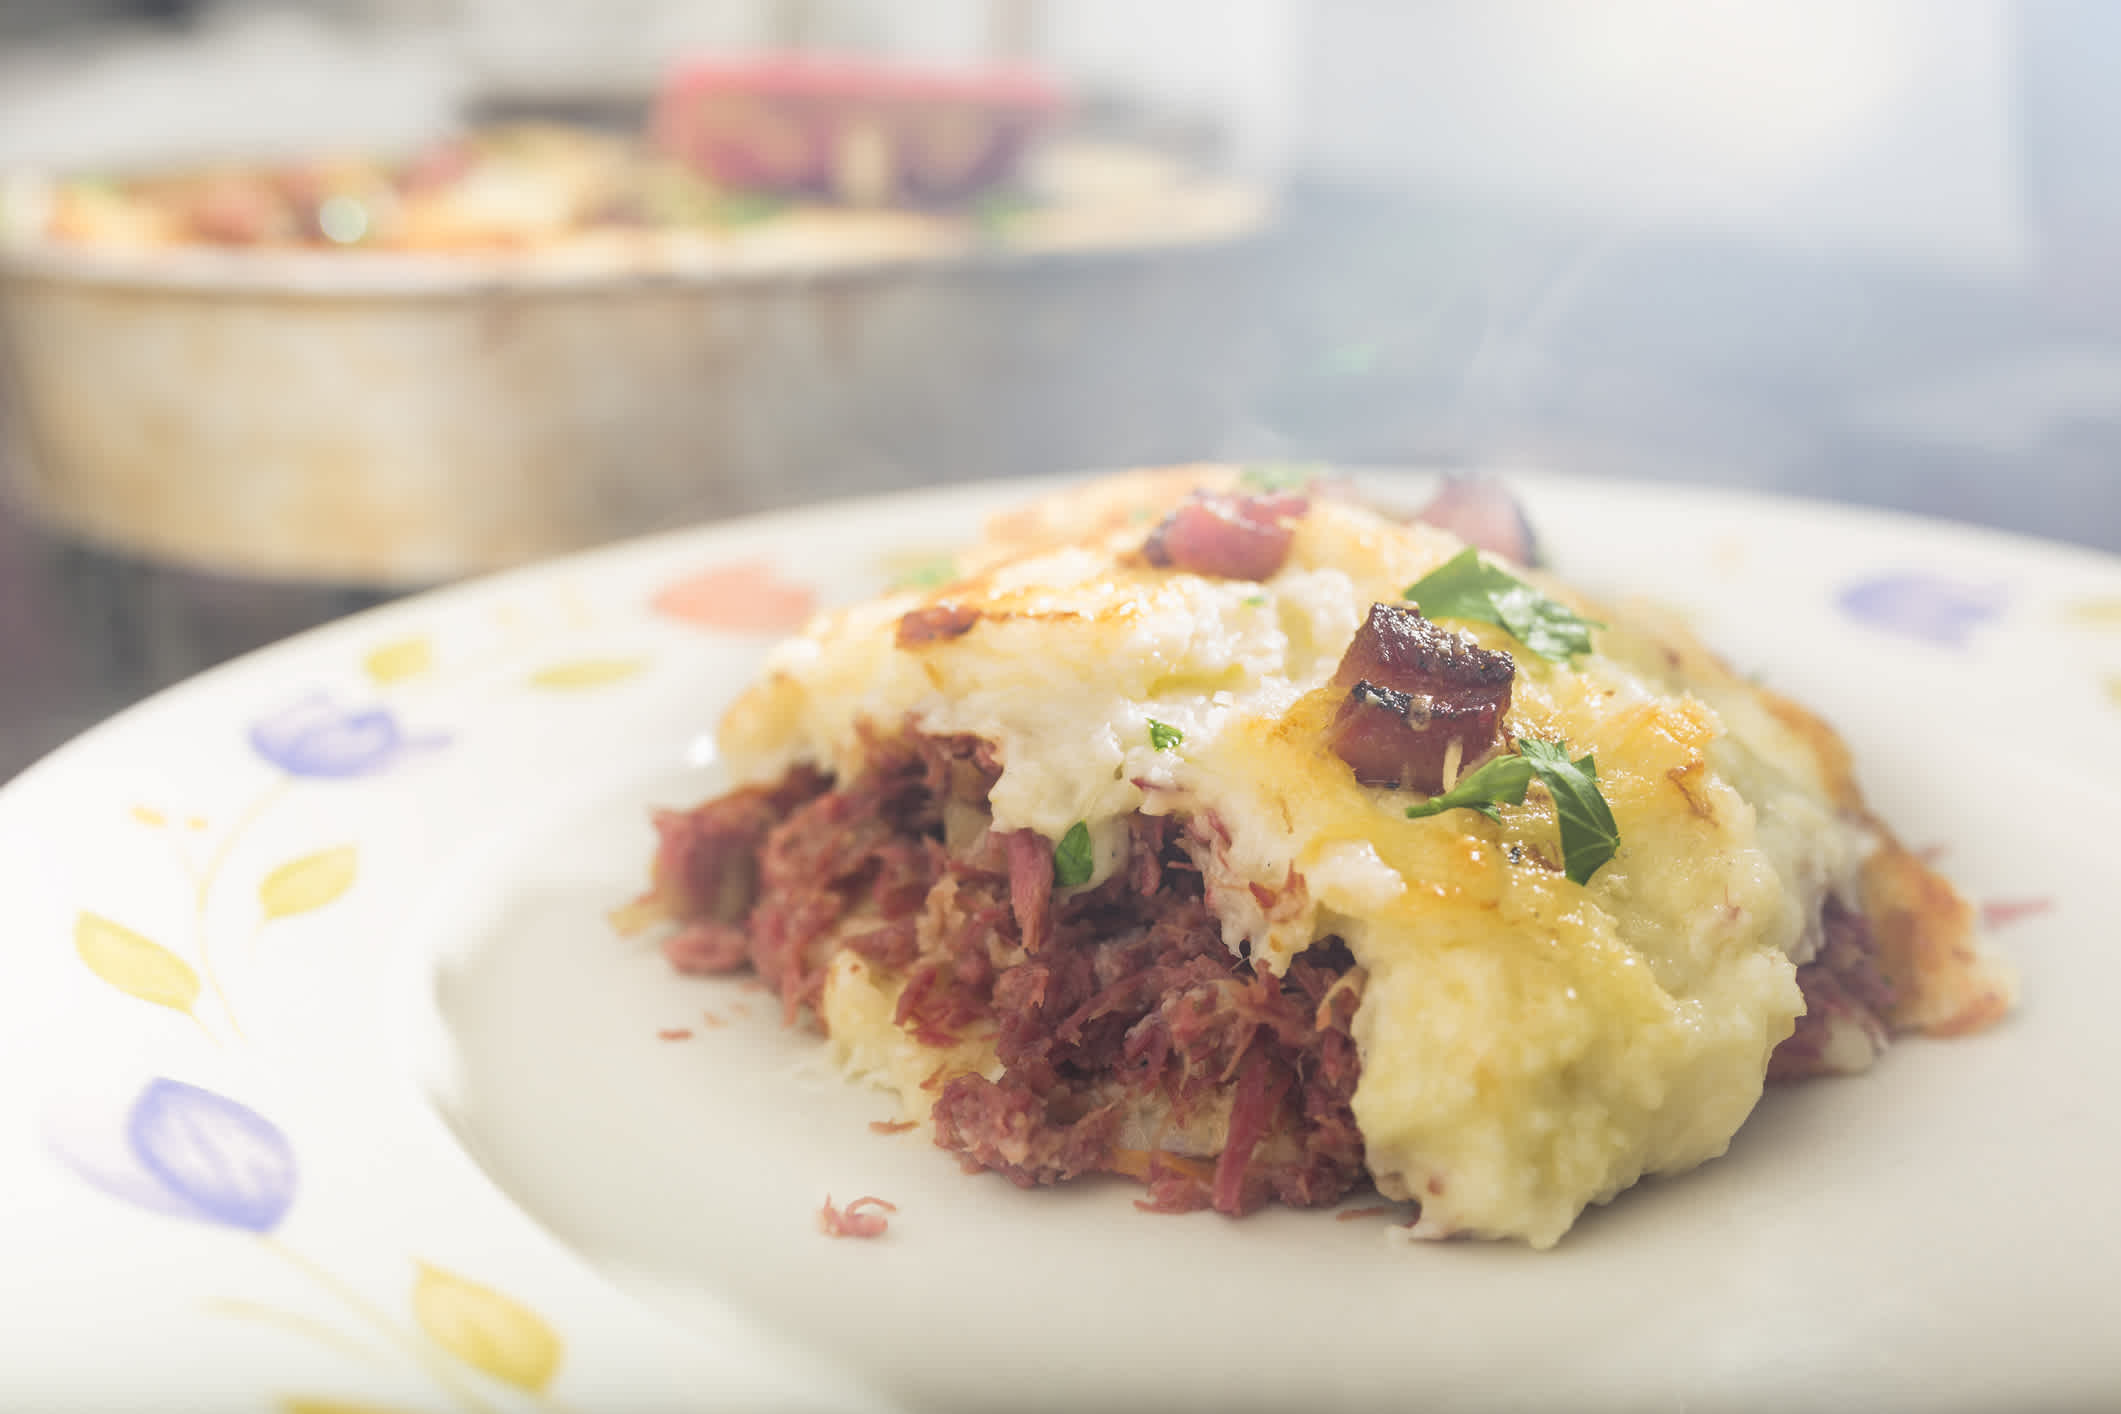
(1120, 1019)
(706, 864)
(1842, 986)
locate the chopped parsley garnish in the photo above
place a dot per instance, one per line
(1072, 865)
(926, 574)
(1164, 737)
(1468, 587)
(1255, 601)
(1279, 476)
(997, 214)
(1588, 835)
(746, 208)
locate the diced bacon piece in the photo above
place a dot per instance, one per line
(935, 623)
(1481, 513)
(1421, 700)
(1230, 537)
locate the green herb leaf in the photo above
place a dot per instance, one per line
(1255, 601)
(927, 574)
(1502, 780)
(1589, 837)
(1279, 476)
(1164, 737)
(1072, 865)
(1468, 587)
(746, 208)
(996, 215)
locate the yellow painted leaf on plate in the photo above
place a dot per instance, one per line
(585, 672)
(305, 884)
(485, 1329)
(133, 964)
(150, 817)
(2103, 611)
(399, 660)
(306, 1404)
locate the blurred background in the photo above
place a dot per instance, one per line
(296, 314)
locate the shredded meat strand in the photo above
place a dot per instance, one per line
(852, 1221)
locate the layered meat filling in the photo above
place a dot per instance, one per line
(1102, 1029)
(1056, 1032)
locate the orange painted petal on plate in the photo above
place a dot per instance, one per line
(2002, 912)
(747, 597)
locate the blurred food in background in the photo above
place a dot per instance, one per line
(854, 131)
(732, 145)
(795, 276)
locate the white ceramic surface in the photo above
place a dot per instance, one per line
(326, 1080)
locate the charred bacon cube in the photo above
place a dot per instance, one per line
(1422, 701)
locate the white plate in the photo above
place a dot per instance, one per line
(326, 1081)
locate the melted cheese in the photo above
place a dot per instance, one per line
(1529, 1045)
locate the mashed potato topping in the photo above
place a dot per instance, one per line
(1529, 1044)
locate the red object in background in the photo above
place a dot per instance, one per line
(853, 130)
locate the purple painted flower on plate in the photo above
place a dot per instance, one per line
(226, 1162)
(1922, 606)
(181, 1150)
(316, 739)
